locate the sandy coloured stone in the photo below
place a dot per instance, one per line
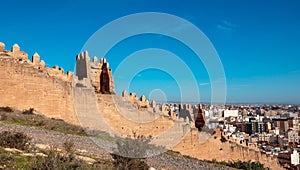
(70, 74)
(147, 104)
(95, 60)
(42, 63)
(153, 103)
(36, 58)
(15, 48)
(61, 70)
(55, 67)
(2, 46)
(124, 93)
(103, 60)
(143, 98)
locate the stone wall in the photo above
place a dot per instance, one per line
(25, 84)
(30, 84)
(82, 60)
(214, 149)
(98, 73)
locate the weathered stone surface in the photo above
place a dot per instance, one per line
(23, 86)
(200, 118)
(104, 79)
(42, 63)
(2, 46)
(211, 148)
(61, 70)
(36, 58)
(153, 103)
(17, 53)
(70, 74)
(143, 98)
(99, 74)
(124, 93)
(55, 67)
(15, 48)
(95, 60)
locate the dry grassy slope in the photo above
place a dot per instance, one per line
(84, 146)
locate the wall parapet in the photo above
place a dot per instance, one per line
(21, 58)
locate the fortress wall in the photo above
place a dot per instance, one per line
(24, 85)
(214, 149)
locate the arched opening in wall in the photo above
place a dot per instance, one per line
(104, 79)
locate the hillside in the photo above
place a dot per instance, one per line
(53, 142)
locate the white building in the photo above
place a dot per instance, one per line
(295, 158)
(231, 113)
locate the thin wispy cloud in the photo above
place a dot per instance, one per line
(226, 25)
(221, 27)
(229, 24)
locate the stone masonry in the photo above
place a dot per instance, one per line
(98, 74)
(29, 84)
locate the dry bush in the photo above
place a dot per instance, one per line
(6, 109)
(69, 146)
(57, 160)
(28, 111)
(135, 149)
(16, 140)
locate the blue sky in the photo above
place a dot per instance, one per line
(257, 41)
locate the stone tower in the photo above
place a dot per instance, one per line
(98, 74)
(82, 68)
(200, 118)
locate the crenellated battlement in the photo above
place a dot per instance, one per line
(20, 57)
(94, 73)
(29, 83)
(140, 103)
